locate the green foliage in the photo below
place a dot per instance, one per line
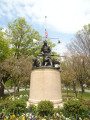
(86, 102)
(17, 106)
(75, 108)
(32, 108)
(66, 72)
(25, 97)
(45, 107)
(58, 110)
(22, 36)
(4, 104)
(79, 49)
(4, 46)
(24, 92)
(9, 83)
(50, 44)
(86, 95)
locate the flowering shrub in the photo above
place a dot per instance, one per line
(31, 116)
(32, 108)
(15, 109)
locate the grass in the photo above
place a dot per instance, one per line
(85, 98)
(85, 95)
(71, 94)
(24, 92)
(64, 94)
(65, 91)
(88, 88)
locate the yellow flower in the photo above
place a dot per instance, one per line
(5, 119)
(10, 117)
(13, 116)
(23, 117)
(53, 115)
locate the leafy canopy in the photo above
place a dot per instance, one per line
(4, 46)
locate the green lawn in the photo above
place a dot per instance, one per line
(71, 94)
(64, 94)
(85, 98)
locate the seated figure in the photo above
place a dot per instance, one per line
(46, 52)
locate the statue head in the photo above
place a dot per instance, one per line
(45, 42)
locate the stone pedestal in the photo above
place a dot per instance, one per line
(45, 85)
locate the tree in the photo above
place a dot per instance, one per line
(5, 52)
(79, 48)
(81, 69)
(21, 72)
(81, 43)
(4, 46)
(16, 70)
(68, 75)
(22, 36)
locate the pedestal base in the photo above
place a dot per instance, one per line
(45, 85)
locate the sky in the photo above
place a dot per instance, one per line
(64, 17)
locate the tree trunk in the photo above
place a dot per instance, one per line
(18, 84)
(2, 90)
(18, 88)
(74, 88)
(2, 81)
(14, 90)
(82, 87)
(25, 86)
(67, 93)
(5, 87)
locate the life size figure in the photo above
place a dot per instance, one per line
(46, 52)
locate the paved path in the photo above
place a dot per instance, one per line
(88, 91)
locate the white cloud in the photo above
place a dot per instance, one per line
(66, 16)
(60, 48)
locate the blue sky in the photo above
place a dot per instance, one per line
(64, 17)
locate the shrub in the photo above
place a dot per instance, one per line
(4, 104)
(25, 97)
(32, 108)
(75, 108)
(58, 110)
(86, 102)
(45, 108)
(17, 106)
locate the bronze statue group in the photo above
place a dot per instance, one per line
(47, 60)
